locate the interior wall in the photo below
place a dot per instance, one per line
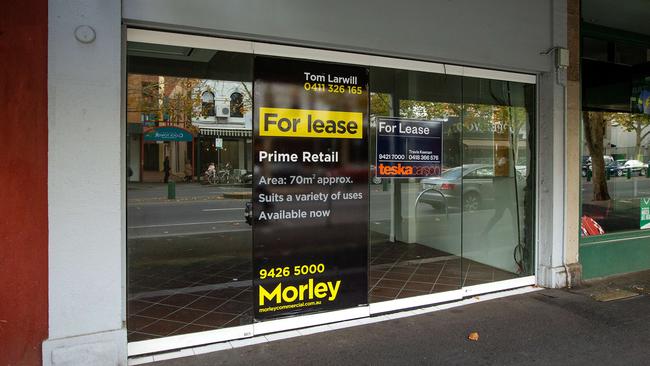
(23, 168)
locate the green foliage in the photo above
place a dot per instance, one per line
(632, 122)
(380, 104)
(629, 121)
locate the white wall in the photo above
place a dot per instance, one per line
(555, 207)
(222, 90)
(622, 138)
(503, 34)
(86, 169)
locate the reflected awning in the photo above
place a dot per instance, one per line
(225, 132)
(167, 133)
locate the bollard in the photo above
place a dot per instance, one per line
(171, 190)
(589, 174)
(607, 174)
(629, 173)
(647, 172)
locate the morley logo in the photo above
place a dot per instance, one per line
(309, 291)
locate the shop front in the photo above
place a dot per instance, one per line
(225, 148)
(615, 179)
(328, 162)
(378, 184)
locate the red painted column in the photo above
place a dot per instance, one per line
(23, 182)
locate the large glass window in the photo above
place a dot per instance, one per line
(614, 181)
(207, 104)
(189, 246)
(473, 224)
(189, 158)
(615, 188)
(236, 105)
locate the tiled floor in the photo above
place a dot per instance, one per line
(399, 270)
(178, 299)
(174, 300)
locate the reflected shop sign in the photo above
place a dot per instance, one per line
(644, 205)
(310, 194)
(640, 97)
(167, 134)
(408, 148)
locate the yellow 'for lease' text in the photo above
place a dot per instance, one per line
(285, 122)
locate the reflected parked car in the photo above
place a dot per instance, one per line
(614, 167)
(636, 166)
(586, 165)
(476, 182)
(374, 178)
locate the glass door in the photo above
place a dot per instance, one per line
(497, 195)
(415, 221)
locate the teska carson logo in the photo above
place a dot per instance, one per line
(394, 170)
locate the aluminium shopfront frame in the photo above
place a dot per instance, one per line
(268, 49)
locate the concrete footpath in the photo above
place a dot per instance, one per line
(546, 327)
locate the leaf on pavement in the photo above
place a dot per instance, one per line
(473, 336)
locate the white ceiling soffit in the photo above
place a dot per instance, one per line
(627, 15)
(269, 49)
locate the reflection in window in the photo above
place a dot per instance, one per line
(381, 104)
(614, 171)
(449, 112)
(179, 282)
(207, 104)
(236, 105)
(149, 101)
(629, 54)
(595, 49)
(481, 173)
(428, 110)
(418, 225)
(498, 196)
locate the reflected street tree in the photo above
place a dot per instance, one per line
(595, 124)
(637, 123)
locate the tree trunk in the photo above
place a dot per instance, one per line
(595, 123)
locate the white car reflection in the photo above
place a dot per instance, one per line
(471, 186)
(636, 166)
